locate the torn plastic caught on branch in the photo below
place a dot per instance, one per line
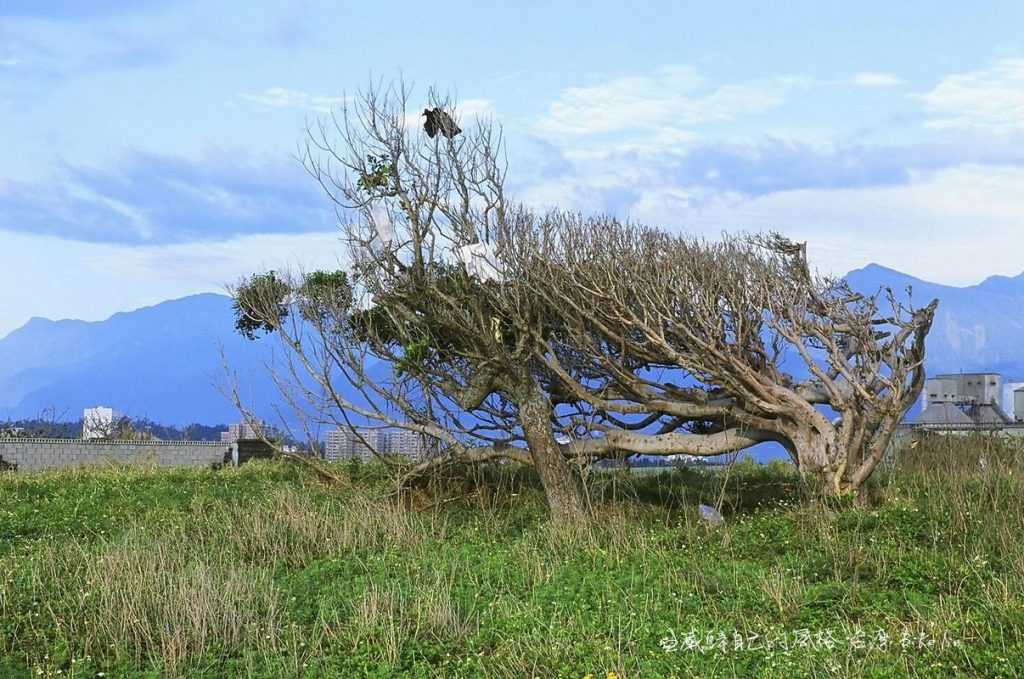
(480, 261)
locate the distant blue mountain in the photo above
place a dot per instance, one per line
(979, 327)
(162, 362)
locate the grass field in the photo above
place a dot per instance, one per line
(265, 572)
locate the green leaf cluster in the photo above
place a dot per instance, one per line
(260, 304)
(378, 177)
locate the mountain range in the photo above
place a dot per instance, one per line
(164, 362)
(161, 362)
(976, 328)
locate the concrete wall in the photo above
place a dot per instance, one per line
(41, 454)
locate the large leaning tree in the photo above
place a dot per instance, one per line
(670, 344)
(555, 339)
(417, 332)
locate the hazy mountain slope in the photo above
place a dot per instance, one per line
(980, 327)
(161, 362)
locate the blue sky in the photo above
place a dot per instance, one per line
(147, 147)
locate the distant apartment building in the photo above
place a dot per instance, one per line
(965, 398)
(99, 422)
(412, 445)
(346, 444)
(243, 431)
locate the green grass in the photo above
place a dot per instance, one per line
(265, 572)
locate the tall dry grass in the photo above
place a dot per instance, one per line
(165, 598)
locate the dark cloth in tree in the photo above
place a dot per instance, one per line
(438, 120)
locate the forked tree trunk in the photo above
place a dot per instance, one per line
(821, 453)
(561, 485)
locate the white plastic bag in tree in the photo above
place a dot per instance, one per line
(480, 261)
(381, 221)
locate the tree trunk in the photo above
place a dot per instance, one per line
(820, 453)
(845, 470)
(841, 482)
(561, 487)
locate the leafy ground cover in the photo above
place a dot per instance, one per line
(264, 571)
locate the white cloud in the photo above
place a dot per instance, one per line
(281, 97)
(475, 107)
(991, 99)
(672, 96)
(955, 226)
(872, 79)
(654, 141)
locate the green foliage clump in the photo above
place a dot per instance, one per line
(260, 304)
(428, 316)
(264, 301)
(325, 295)
(377, 179)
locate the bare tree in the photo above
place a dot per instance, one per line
(120, 428)
(669, 344)
(417, 333)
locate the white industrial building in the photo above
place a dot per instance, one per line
(1013, 400)
(99, 422)
(964, 398)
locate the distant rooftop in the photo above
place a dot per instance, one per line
(988, 414)
(943, 413)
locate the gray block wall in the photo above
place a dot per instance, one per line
(42, 454)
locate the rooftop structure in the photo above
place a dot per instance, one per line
(243, 431)
(99, 422)
(964, 398)
(977, 388)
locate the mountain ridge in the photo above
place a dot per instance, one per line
(162, 360)
(159, 361)
(977, 327)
